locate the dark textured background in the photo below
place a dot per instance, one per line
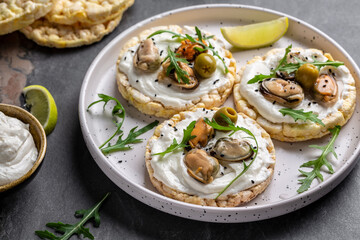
(69, 179)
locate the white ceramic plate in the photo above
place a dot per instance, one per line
(127, 169)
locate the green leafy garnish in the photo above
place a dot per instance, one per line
(118, 112)
(232, 127)
(184, 142)
(193, 40)
(182, 74)
(68, 229)
(283, 66)
(319, 162)
(300, 114)
(123, 145)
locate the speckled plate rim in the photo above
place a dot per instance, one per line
(203, 213)
(41, 148)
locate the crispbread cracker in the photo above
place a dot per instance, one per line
(231, 200)
(149, 106)
(65, 36)
(294, 132)
(16, 14)
(70, 12)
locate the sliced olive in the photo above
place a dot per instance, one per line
(205, 65)
(306, 75)
(227, 111)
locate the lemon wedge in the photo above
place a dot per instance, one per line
(42, 106)
(256, 35)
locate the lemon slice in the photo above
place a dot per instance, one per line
(42, 106)
(256, 35)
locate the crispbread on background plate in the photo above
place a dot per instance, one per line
(294, 132)
(69, 12)
(230, 200)
(15, 15)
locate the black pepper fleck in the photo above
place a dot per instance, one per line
(169, 85)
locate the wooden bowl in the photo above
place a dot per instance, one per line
(36, 130)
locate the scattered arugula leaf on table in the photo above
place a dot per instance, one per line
(184, 142)
(232, 127)
(118, 111)
(70, 229)
(283, 66)
(319, 162)
(300, 114)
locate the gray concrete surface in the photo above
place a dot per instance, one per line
(69, 179)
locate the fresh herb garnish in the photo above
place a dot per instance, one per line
(119, 112)
(283, 66)
(300, 114)
(199, 41)
(319, 162)
(232, 127)
(68, 229)
(123, 145)
(184, 142)
(182, 74)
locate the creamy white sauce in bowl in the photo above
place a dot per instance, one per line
(22, 145)
(270, 110)
(172, 171)
(167, 94)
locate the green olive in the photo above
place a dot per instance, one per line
(205, 65)
(227, 111)
(306, 75)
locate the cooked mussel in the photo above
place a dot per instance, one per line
(201, 166)
(189, 50)
(325, 90)
(284, 92)
(203, 133)
(230, 149)
(147, 57)
(175, 79)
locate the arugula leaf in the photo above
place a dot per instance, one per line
(300, 114)
(117, 112)
(200, 42)
(184, 142)
(123, 145)
(182, 74)
(181, 37)
(232, 127)
(68, 229)
(292, 67)
(319, 162)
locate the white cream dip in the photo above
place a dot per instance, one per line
(269, 110)
(18, 152)
(173, 96)
(172, 171)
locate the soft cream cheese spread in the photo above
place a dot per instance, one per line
(18, 152)
(172, 171)
(271, 111)
(171, 95)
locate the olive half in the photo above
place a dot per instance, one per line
(227, 111)
(306, 75)
(205, 65)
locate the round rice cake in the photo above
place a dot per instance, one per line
(249, 99)
(70, 12)
(170, 176)
(56, 35)
(16, 14)
(163, 98)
